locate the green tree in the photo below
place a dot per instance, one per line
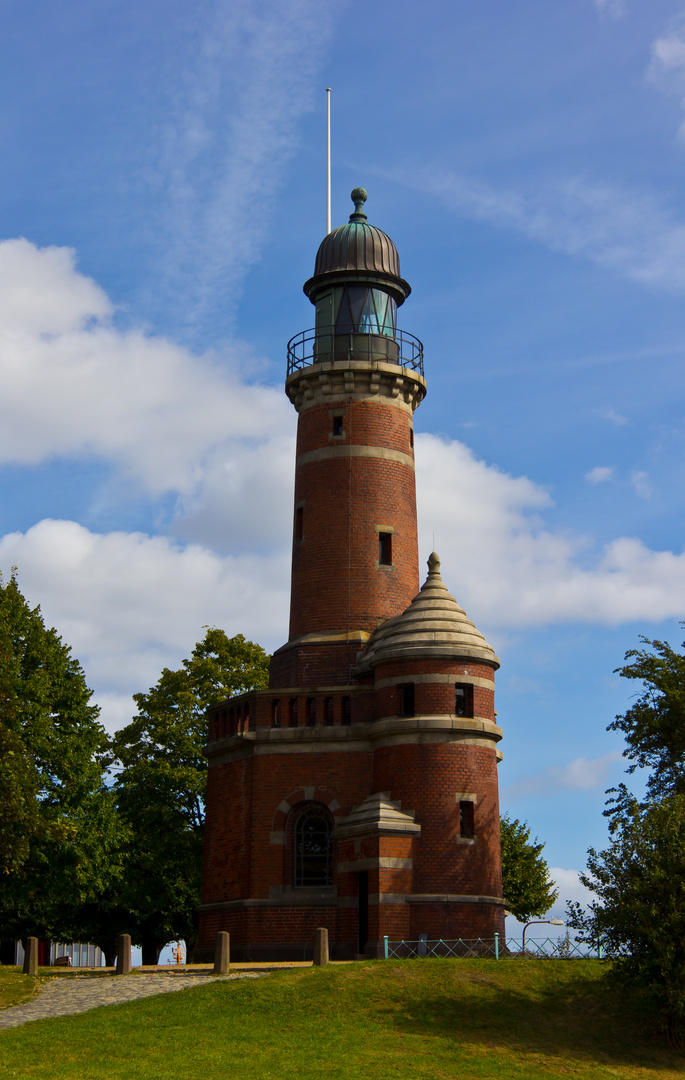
(526, 884)
(654, 727)
(59, 831)
(639, 914)
(160, 787)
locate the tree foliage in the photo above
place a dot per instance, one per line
(160, 787)
(638, 915)
(58, 829)
(526, 884)
(654, 727)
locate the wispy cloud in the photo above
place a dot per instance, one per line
(581, 774)
(626, 231)
(641, 484)
(666, 68)
(232, 132)
(611, 9)
(600, 474)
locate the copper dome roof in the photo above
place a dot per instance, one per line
(358, 252)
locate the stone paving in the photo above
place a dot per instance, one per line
(66, 995)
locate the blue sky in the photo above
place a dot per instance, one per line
(160, 207)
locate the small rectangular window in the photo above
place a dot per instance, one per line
(292, 712)
(466, 820)
(463, 699)
(347, 711)
(411, 437)
(311, 712)
(276, 712)
(385, 548)
(299, 522)
(337, 426)
(407, 699)
(328, 710)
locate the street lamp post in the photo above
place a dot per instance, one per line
(538, 922)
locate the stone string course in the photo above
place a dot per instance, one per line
(70, 994)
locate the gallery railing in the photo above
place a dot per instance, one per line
(325, 345)
(562, 948)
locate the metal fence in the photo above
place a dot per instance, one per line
(562, 948)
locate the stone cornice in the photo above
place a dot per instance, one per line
(355, 380)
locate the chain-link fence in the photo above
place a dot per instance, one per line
(561, 948)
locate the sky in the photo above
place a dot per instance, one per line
(161, 203)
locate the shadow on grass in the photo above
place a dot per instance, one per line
(555, 1008)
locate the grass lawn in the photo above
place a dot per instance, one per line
(15, 988)
(419, 1020)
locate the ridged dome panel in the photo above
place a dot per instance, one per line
(434, 625)
(357, 246)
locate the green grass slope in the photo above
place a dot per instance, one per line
(419, 1020)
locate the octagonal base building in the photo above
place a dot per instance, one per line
(359, 791)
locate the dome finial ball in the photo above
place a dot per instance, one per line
(359, 197)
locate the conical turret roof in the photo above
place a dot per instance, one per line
(434, 625)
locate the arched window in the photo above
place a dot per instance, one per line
(313, 848)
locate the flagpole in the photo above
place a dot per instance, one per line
(328, 160)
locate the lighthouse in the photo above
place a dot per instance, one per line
(359, 791)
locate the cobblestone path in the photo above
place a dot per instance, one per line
(66, 995)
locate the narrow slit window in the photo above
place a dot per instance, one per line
(411, 437)
(311, 712)
(276, 712)
(347, 711)
(385, 549)
(463, 700)
(328, 710)
(299, 522)
(337, 426)
(407, 699)
(466, 820)
(292, 712)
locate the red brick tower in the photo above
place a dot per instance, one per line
(359, 791)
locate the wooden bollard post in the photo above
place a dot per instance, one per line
(321, 945)
(31, 957)
(222, 953)
(123, 954)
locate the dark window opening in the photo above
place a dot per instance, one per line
(411, 437)
(313, 848)
(347, 711)
(466, 822)
(311, 712)
(463, 700)
(246, 724)
(407, 692)
(299, 522)
(292, 712)
(276, 712)
(385, 549)
(328, 710)
(337, 425)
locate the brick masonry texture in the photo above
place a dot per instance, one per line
(354, 477)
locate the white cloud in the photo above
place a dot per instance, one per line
(600, 474)
(616, 418)
(75, 386)
(130, 604)
(581, 774)
(611, 9)
(508, 569)
(667, 65)
(231, 132)
(641, 484)
(625, 231)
